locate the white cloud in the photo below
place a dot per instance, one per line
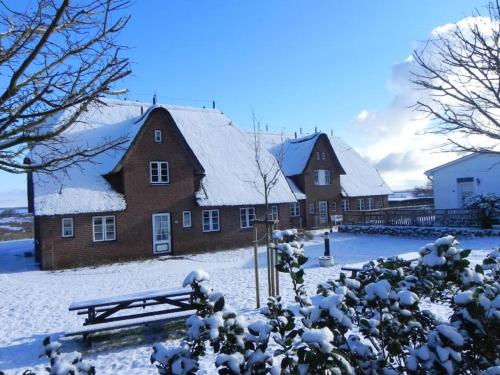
(394, 138)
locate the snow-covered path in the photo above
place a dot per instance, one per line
(35, 303)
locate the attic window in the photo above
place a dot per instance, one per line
(323, 156)
(318, 155)
(158, 136)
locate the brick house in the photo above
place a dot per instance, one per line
(185, 182)
(327, 176)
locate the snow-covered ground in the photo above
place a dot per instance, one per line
(35, 303)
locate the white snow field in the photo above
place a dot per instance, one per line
(34, 303)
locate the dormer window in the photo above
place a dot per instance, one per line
(158, 172)
(158, 136)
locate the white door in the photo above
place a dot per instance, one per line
(162, 242)
(465, 190)
(323, 212)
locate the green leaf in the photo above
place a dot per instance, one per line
(219, 304)
(465, 253)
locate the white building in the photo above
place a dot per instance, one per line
(459, 179)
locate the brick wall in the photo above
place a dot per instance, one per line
(134, 237)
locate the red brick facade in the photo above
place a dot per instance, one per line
(322, 158)
(134, 229)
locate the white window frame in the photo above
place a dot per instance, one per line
(274, 212)
(158, 136)
(323, 156)
(103, 228)
(333, 206)
(247, 217)
(295, 209)
(322, 177)
(211, 226)
(185, 223)
(63, 221)
(159, 164)
(345, 205)
(370, 203)
(318, 155)
(361, 204)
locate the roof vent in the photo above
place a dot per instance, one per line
(154, 98)
(213, 104)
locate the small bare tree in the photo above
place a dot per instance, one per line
(269, 168)
(59, 55)
(459, 71)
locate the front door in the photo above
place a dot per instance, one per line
(465, 190)
(323, 212)
(162, 241)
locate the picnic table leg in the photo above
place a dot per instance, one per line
(90, 320)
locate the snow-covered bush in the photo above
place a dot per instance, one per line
(489, 204)
(371, 324)
(62, 363)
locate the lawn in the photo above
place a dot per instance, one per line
(35, 303)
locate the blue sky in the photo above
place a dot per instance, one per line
(296, 63)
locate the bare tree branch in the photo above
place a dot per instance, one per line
(61, 55)
(459, 70)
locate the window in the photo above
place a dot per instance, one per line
(159, 172)
(158, 137)
(318, 155)
(186, 219)
(333, 206)
(294, 209)
(323, 156)
(322, 177)
(104, 228)
(380, 202)
(67, 227)
(274, 212)
(345, 204)
(247, 216)
(311, 208)
(370, 202)
(210, 220)
(361, 204)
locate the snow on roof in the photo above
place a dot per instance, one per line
(296, 153)
(295, 189)
(456, 161)
(361, 178)
(81, 188)
(406, 195)
(227, 155)
(231, 176)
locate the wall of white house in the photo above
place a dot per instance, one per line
(480, 174)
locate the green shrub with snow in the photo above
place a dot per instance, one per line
(489, 204)
(372, 324)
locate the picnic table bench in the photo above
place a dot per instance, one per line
(130, 310)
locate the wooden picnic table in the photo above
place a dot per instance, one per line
(132, 310)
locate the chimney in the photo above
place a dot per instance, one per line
(213, 104)
(295, 135)
(154, 99)
(142, 110)
(315, 129)
(267, 128)
(300, 130)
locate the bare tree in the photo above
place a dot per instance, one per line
(459, 71)
(59, 55)
(269, 168)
